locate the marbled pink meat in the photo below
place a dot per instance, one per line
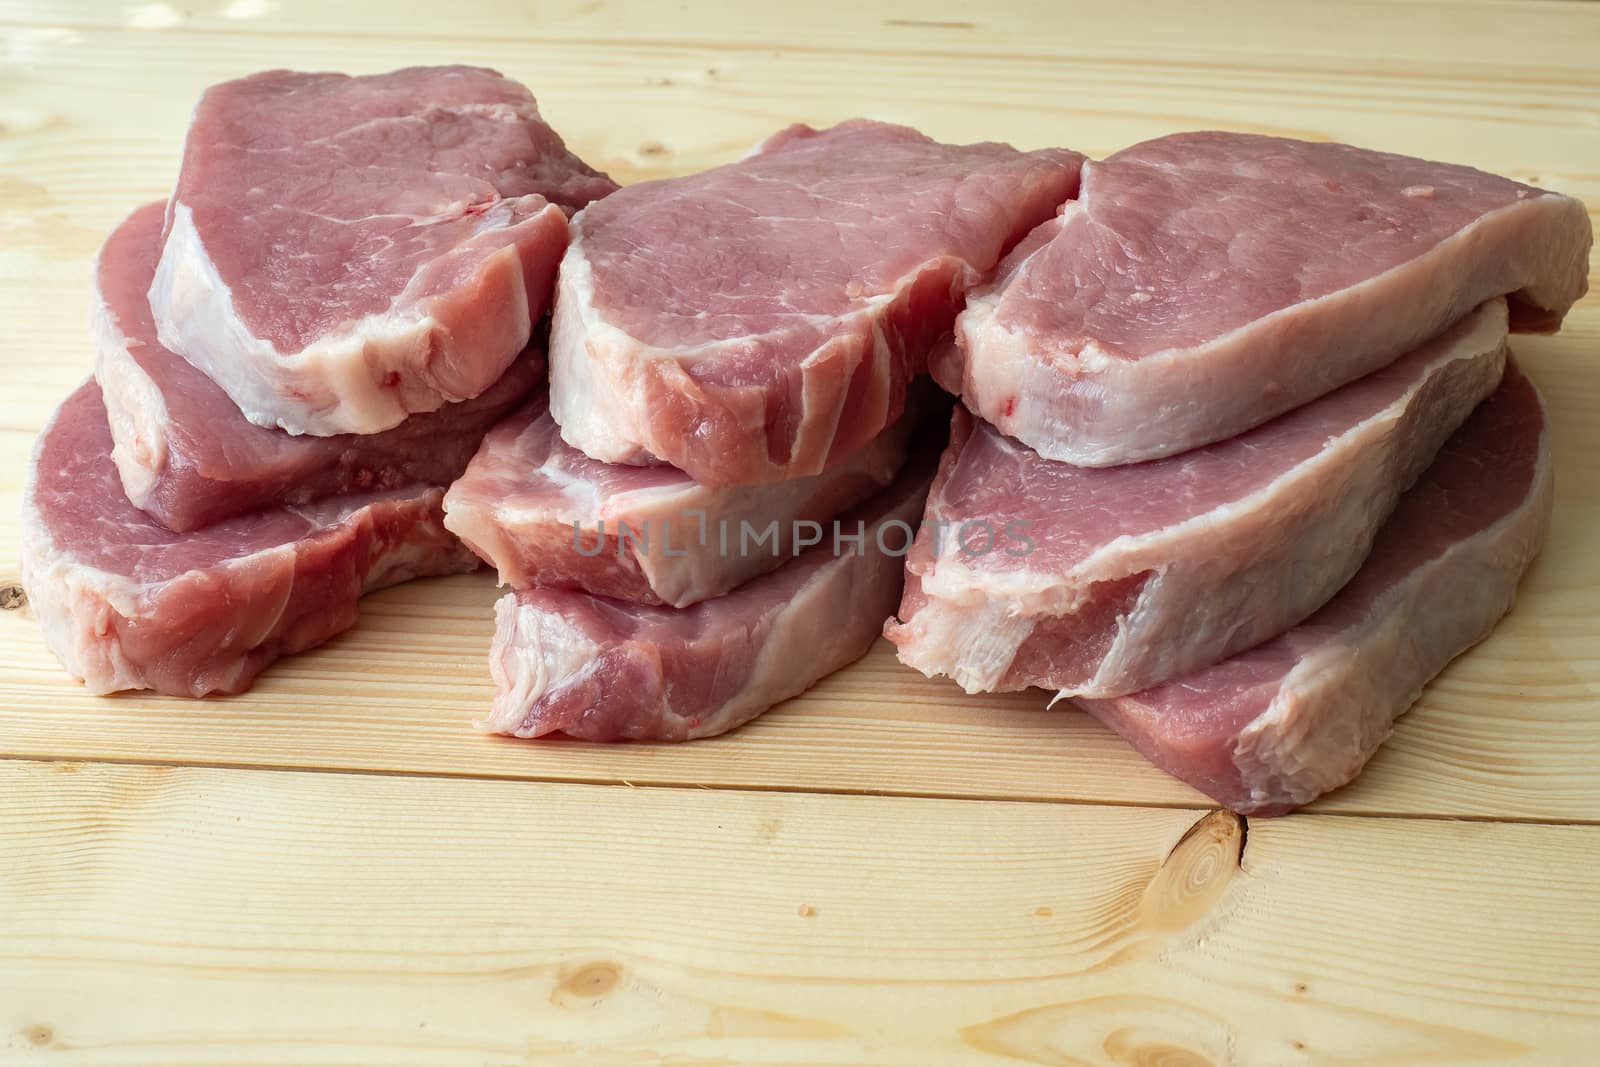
(604, 670)
(761, 320)
(126, 604)
(189, 458)
(1117, 579)
(1206, 282)
(545, 514)
(343, 252)
(1277, 726)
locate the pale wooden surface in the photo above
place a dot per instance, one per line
(426, 914)
(195, 915)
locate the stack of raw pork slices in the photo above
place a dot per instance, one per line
(1241, 461)
(711, 512)
(297, 353)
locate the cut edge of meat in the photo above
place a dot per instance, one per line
(1481, 333)
(135, 407)
(576, 539)
(1362, 720)
(1340, 699)
(1002, 372)
(975, 627)
(82, 608)
(580, 343)
(188, 458)
(583, 346)
(662, 409)
(539, 654)
(377, 369)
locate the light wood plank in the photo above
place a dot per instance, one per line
(655, 84)
(185, 916)
(1538, 40)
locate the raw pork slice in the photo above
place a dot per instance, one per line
(1206, 282)
(125, 604)
(189, 458)
(761, 320)
(1285, 722)
(604, 670)
(1104, 582)
(342, 252)
(545, 514)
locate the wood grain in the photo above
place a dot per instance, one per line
(1509, 38)
(185, 916)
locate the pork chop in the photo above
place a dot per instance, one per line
(604, 670)
(761, 320)
(126, 604)
(1206, 282)
(189, 458)
(343, 252)
(1102, 582)
(545, 514)
(1277, 726)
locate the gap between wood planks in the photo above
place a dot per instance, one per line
(628, 783)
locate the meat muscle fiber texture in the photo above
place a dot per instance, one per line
(1134, 575)
(1203, 283)
(603, 670)
(189, 458)
(343, 252)
(126, 604)
(761, 320)
(543, 513)
(1275, 727)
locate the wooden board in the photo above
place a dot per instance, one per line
(480, 888)
(189, 915)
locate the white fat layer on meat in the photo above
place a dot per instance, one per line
(671, 518)
(135, 408)
(973, 646)
(1278, 563)
(1340, 702)
(534, 652)
(79, 606)
(596, 367)
(1177, 399)
(344, 370)
(829, 621)
(1041, 592)
(581, 346)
